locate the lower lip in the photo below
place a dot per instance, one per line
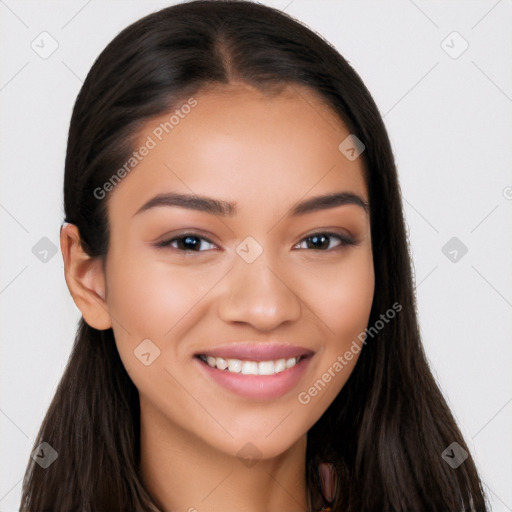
(257, 387)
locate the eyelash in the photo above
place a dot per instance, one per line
(345, 241)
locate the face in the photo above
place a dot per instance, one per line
(247, 277)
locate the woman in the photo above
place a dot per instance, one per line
(234, 239)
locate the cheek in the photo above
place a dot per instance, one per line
(344, 306)
(156, 301)
(148, 299)
(342, 297)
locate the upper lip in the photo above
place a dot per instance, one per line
(257, 351)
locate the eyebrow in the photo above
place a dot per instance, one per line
(227, 209)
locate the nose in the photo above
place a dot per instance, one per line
(259, 294)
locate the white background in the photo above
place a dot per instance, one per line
(450, 123)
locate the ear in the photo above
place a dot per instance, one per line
(85, 279)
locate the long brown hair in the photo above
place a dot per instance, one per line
(387, 428)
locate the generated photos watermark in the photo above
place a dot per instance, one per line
(304, 397)
(157, 135)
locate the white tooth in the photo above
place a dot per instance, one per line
(280, 365)
(250, 368)
(266, 367)
(234, 365)
(291, 362)
(221, 363)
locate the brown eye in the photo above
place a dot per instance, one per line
(322, 241)
(186, 242)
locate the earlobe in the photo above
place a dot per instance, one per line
(85, 278)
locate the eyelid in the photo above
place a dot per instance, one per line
(199, 233)
(342, 233)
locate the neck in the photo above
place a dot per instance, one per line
(183, 473)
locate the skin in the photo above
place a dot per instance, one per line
(239, 145)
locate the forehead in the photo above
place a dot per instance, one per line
(240, 144)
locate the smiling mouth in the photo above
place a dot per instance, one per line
(247, 367)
